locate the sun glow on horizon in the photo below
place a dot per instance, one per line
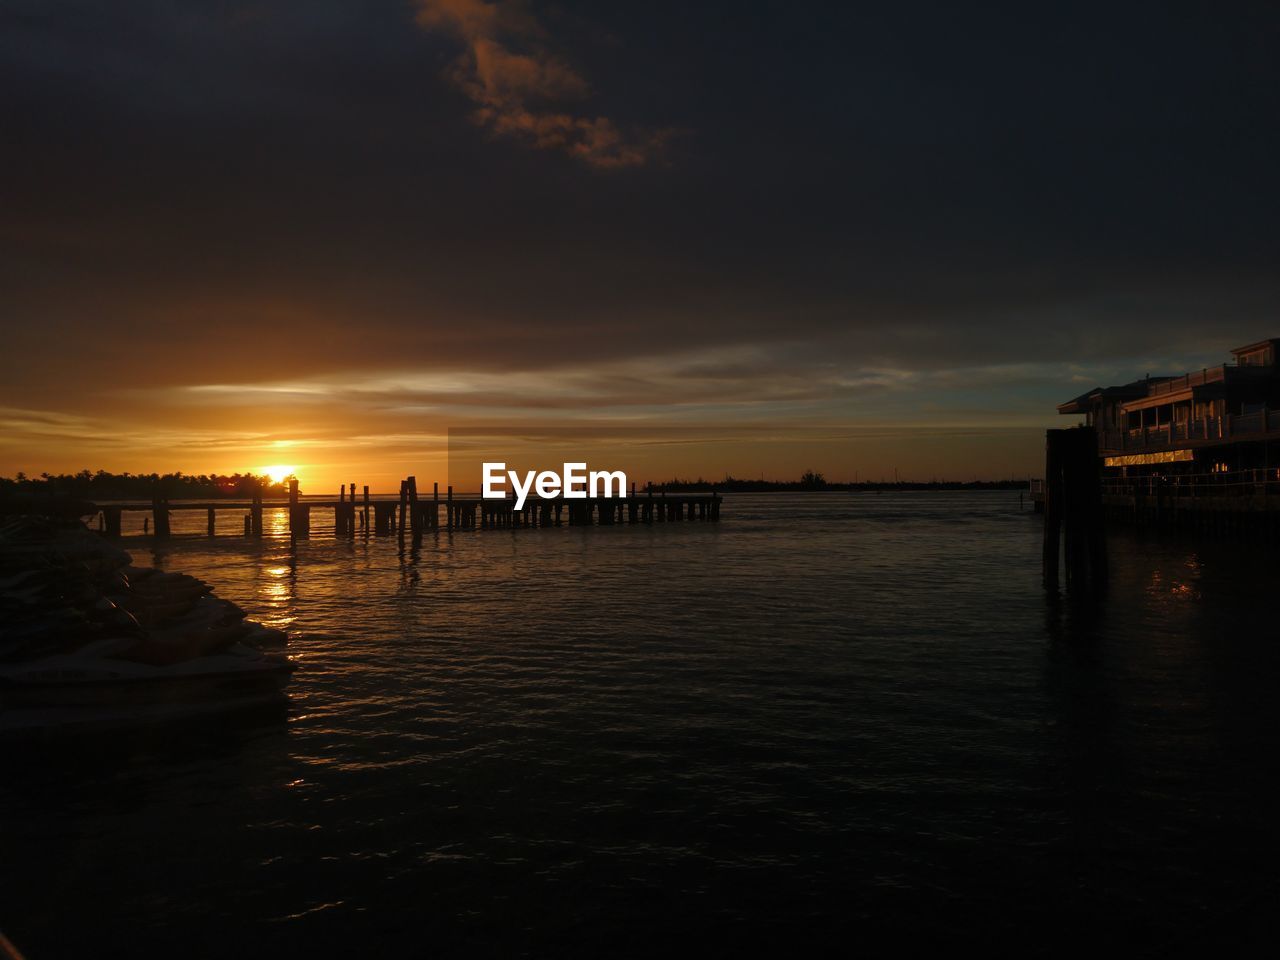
(278, 472)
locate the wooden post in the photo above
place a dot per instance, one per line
(344, 520)
(1074, 525)
(449, 508)
(404, 503)
(160, 515)
(295, 515)
(211, 521)
(366, 509)
(1094, 520)
(256, 510)
(1073, 504)
(415, 517)
(1052, 507)
(349, 514)
(111, 520)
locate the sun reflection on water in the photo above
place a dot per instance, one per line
(276, 591)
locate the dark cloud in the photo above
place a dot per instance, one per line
(228, 193)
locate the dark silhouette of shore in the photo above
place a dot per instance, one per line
(815, 482)
(102, 485)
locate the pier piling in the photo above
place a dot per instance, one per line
(159, 514)
(299, 515)
(255, 508)
(415, 515)
(1073, 515)
(404, 505)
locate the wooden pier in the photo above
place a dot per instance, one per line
(1243, 504)
(410, 513)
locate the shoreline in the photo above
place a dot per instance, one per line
(88, 630)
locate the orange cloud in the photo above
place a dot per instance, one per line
(520, 94)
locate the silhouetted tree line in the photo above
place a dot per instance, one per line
(140, 486)
(813, 480)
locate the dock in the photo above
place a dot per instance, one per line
(1243, 503)
(384, 515)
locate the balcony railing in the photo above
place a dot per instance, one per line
(1243, 483)
(1210, 429)
(1216, 374)
(1173, 385)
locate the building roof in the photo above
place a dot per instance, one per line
(1250, 348)
(1127, 391)
(1183, 393)
(1155, 391)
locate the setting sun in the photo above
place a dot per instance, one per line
(278, 473)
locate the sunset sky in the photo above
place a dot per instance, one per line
(761, 237)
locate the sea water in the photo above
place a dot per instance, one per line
(828, 720)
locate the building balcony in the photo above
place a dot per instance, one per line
(1206, 431)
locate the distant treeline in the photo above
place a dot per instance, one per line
(816, 481)
(141, 486)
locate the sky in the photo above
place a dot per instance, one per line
(762, 238)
